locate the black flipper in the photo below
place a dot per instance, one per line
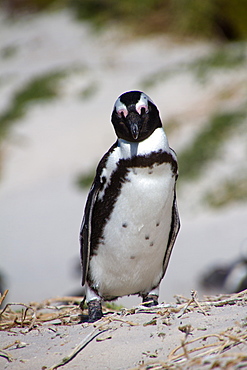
(175, 226)
(85, 231)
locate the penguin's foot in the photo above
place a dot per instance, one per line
(94, 310)
(150, 300)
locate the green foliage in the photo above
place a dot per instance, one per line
(8, 51)
(95, 10)
(193, 17)
(219, 19)
(85, 180)
(222, 58)
(234, 190)
(101, 11)
(41, 88)
(231, 17)
(207, 143)
(89, 91)
(14, 7)
(113, 306)
(225, 57)
(222, 19)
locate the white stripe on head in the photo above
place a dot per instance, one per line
(143, 103)
(145, 98)
(120, 107)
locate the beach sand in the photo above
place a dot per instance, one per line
(187, 333)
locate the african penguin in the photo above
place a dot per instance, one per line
(131, 219)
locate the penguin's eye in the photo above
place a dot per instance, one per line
(142, 109)
(122, 112)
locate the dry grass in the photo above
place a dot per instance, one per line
(66, 310)
(210, 348)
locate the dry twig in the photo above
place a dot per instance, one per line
(3, 296)
(225, 341)
(79, 347)
(6, 355)
(193, 300)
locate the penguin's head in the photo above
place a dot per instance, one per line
(135, 116)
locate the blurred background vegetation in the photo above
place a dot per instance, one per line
(217, 19)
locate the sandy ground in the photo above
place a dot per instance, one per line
(187, 334)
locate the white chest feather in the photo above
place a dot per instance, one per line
(130, 258)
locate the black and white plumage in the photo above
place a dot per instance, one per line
(131, 220)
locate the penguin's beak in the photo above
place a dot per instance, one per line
(134, 130)
(134, 122)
